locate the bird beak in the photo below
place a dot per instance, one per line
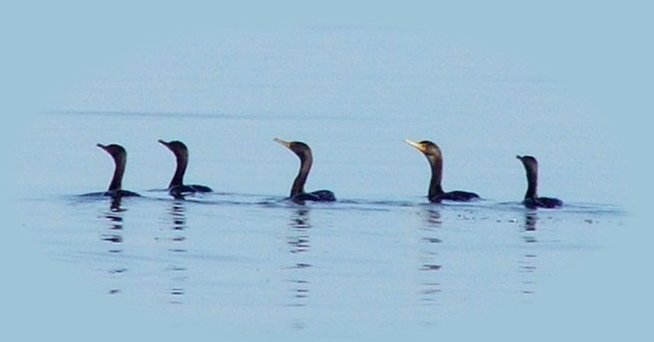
(287, 144)
(519, 157)
(102, 146)
(163, 143)
(415, 144)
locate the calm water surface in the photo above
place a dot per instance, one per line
(381, 259)
(243, 259)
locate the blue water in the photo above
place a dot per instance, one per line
(381, 261)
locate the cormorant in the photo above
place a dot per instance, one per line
(531, 196)
(177, 188)
(119, 156)
(435, 159)
(298, 194)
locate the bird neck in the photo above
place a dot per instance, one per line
(532, 182)
(301, 178)
(119, 170)
(178, 177)
(435, 187)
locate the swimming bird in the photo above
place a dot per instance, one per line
(119, 156)
(298, 194)
(531, 197)
(435, 159)
(177, 188)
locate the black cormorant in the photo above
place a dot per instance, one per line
(531, 197)
(298, 194)
(119, 156)
(435, 158)
(177, 188)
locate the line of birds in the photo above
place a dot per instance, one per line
(178, 189)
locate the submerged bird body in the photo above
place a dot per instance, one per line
(435, 158)
(303, 151)
(177, 188)
(119, 155)
(456, 196)
(316, 196)
(542, 202)
(532, 200)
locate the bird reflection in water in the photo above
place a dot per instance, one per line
(114, 238)
(300, 244)
(430, 287)
(528, 260)
(176, 242)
